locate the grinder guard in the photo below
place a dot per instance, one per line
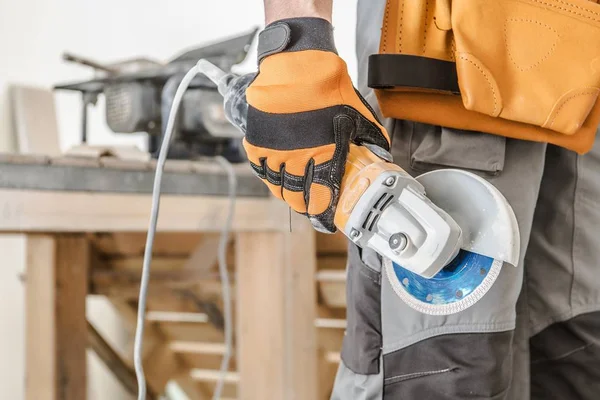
(487, 220)
(490, 237)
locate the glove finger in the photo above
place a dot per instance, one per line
(319, 199)
(292, 189)
(275, 189)
(295, 200)
(295, 160)
(283, 185)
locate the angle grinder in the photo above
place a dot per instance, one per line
(442, 249)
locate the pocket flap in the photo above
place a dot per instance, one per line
(433, 146)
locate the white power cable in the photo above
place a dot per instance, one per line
(222, 256)
(222, 251)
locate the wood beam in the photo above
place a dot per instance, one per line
(276, 313)
(49, 211)
(56, 341)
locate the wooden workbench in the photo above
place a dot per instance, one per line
(62, 208)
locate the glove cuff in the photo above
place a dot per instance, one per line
(296, 34)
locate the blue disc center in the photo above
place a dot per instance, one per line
(454, 282)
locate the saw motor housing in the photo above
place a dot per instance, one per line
(139, 94)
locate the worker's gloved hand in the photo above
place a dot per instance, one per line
(303, 113)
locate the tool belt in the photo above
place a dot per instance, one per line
(525, 69)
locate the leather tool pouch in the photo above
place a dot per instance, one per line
(526, 69)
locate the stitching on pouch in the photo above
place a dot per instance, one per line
(425, 30)
(418, 374)
(567, 10)
(576, 6)
(385, 26)
(565, 101)
(552, 48)
(400, 28)
(486, 78)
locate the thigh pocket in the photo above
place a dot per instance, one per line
(433, 147)
(362, 343)
(457, 366)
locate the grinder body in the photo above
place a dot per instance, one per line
(384, 208)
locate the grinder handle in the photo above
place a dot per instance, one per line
(362, 168)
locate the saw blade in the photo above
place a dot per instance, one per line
(458, 286)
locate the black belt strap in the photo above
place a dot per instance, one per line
(387, 71)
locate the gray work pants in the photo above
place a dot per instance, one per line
(536, 333)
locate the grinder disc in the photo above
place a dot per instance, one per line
(459, 285)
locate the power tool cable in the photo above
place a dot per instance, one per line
(222, 250)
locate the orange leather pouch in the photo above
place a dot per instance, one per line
(525, 69)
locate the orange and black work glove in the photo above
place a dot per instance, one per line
(303, 113)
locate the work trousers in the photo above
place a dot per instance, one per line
(536, 334)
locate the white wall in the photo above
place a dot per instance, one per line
(34, 34)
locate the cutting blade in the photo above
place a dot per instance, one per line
(459, 285)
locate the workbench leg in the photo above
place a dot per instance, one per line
(276, 311)
(56, 331)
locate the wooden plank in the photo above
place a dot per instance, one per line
(40, 292)
(152, 335)
(34, 117)
(276, 313)
(332, 262)
(133, 243)
(193, 390)
(56, 324)
(160, 363)
(159, 264)
(204, 361)
(197, 347)
(332, 288)
(173, 316)
(230, 390)
(330, 339)
(330, 323)
(12, 315)
(207, 375)
(330, 335)
(126, 284)
(185, 331)
(327, 372)
(204, 355)
(333, 357)
(205, 255)
(48, 211)
(114, 362)
(188, 301)
(326, 312)
(332, 244)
